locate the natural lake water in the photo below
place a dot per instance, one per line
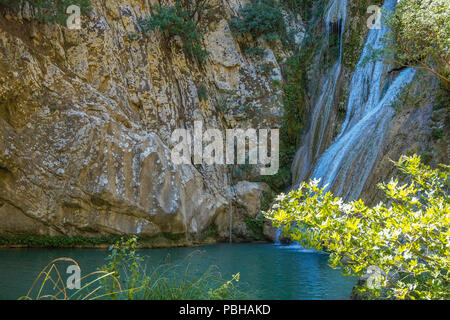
(268, 271)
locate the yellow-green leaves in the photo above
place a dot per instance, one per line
(406, 238)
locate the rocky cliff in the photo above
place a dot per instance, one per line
(86, 118)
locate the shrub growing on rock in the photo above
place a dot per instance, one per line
(178, 20)
(260, 18)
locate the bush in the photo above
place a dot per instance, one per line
(260, 18)
(256, 226)
(406, 240)
(52, 11)
(179, 21)
(165, 282)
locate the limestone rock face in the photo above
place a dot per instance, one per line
(86, 118)
(248, 195)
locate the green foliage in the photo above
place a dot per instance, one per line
(165, 281)
(309, 9)
(178, 20)
(438, 133)
(282, 178)
(314, 10)
(211, 232)
(426, 158)
(56, 241)
(294, 98)
(355, 38)
(125, 277)
(226, 290)
(123, 261)
(252, 51)
(333, 47)
(276, 83)
(49, 284)
(202, 92)
(267, 200)
(296, 5)
(442, 100)
(294, 102)
(242, 172)
(172, 236)
(260, 18)
(51, 11)
(353, 45)
(256, 226)
(406, 239)
(420, 36)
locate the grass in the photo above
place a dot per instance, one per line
(50, 276)
(125, 277)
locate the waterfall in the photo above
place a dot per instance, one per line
(312, 141)
(277, 236)
(347, 163)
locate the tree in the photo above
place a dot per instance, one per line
(406, 239)
(183, 20)
(420, 36)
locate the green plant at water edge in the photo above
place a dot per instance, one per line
(406, 239)
(124, 276)
(256, 226)
(123, 262)
(52, 11)
(211, 232)
(179, 20)
(166, 281)
(226, 290)
(56, 241)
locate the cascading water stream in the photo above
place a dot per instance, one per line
(347, 163)
(310, 150)
(313, 140)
